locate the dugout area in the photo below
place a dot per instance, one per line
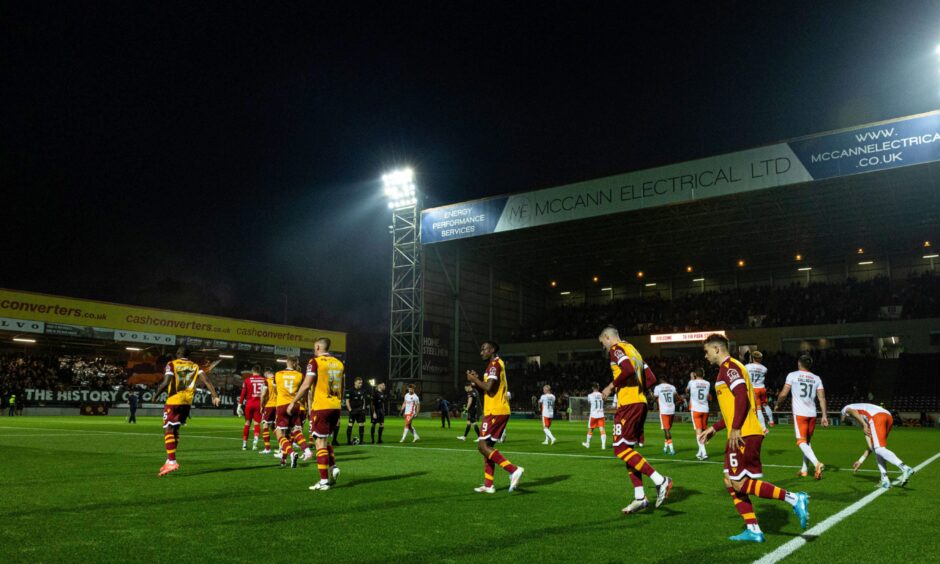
(488, 286)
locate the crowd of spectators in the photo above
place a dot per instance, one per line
(758, 306)
(19, 372)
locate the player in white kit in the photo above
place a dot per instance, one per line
(698, 395)
(665, 393)
(876, 423)
(596, 400)
(806, 388)
(410, 408)
(547, 401)
(758, 373)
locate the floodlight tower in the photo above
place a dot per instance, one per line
(405, 318)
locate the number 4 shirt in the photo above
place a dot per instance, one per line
(803, 386)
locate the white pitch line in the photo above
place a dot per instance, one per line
(792, 546)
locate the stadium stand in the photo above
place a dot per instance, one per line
(762, 306)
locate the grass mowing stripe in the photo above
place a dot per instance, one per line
(792, 546)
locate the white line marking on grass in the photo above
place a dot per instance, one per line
(792, 546)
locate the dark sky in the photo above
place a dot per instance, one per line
(220, 160)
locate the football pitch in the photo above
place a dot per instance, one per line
(85, 489)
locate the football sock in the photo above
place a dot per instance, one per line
(362, 433)
(415, 433)
(763, 489)
(299, 439)
(331, 454)
(349, 434)
(488, 468)
(381, 430)
(770, 414)
(467, 430)
(881, 465)
(257, 430)
(323, 463)
(889, 456)
(336, 435)
(743, 504)
(808, 451)
(372, 432)
(477, 429)
(603, 440)
(497, 458)
(245, 431)
(635, 461)
(266, 435)
(548, 434)
(805, 462)
(760, 419)
(284, 443)
(169, 439)
(588, 439)
(637, 480)
(405, 434)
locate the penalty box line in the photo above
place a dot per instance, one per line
(793, 545)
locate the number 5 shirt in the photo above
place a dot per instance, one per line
(803, 386)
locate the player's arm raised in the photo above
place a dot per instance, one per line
(208, 384)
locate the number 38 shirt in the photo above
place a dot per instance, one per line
(803, 387)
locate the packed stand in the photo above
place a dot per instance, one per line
(759, 306)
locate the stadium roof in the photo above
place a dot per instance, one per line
(886, 213)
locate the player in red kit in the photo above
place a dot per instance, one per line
(252, 388)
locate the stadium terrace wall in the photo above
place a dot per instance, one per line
(915, 335)
(471, 300)
(28, 312)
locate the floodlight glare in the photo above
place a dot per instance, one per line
(400, 188)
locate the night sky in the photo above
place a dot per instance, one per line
(226, 160)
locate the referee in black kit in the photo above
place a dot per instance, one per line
(379, 400)
(472, 409)
(356, 406)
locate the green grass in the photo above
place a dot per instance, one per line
(85, 489)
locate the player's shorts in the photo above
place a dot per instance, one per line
(174, 415)
(378, 417)
(700, 420)
(804, 427)
(493, 427)
(744, 461)
(253, 412)
(323, 421)
(472, 417)
(760, 397)
(357, 416)
(628, 424)
(269, 415)
(596, 422)
(665, 421)
(547, 422)
(295, 420)
(880, 425)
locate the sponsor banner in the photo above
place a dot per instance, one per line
(64, 311)
(435, 350)
(150, 338)
(684, 337)
(902, 142)
(21, 325)
(79, 331)
(78, 396)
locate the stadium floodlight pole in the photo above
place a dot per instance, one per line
(405, 314)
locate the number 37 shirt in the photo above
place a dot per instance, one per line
(803, 387)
